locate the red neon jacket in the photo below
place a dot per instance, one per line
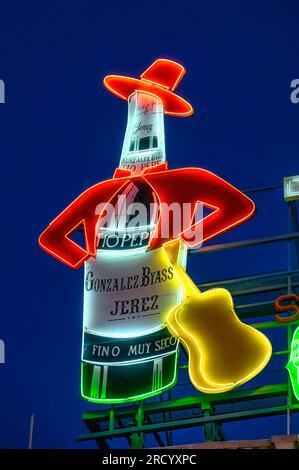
(184, 185)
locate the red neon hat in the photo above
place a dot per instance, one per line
(160, 79)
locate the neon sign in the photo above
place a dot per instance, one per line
(125, 338)
(230, 208)
(285, 304)
(293, 364)
(134, 255)
(223, 352)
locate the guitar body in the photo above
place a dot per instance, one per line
(223, 352)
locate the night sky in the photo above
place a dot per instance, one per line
(61, 131)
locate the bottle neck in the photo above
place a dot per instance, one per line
(144, 143)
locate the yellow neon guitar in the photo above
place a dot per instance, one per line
(223, 352)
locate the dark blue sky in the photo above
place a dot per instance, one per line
(61, 132)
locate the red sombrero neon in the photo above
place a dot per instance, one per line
(160, 79)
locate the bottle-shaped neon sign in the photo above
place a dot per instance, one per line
(135, 258)
(128, 352)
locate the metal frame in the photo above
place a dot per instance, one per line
(160, 416)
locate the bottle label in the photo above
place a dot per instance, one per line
(129, 295)
(103, 350)
(144, 143)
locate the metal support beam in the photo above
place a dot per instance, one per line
(192, 402)
(191, 422)
(212, 430)
(137, 438)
